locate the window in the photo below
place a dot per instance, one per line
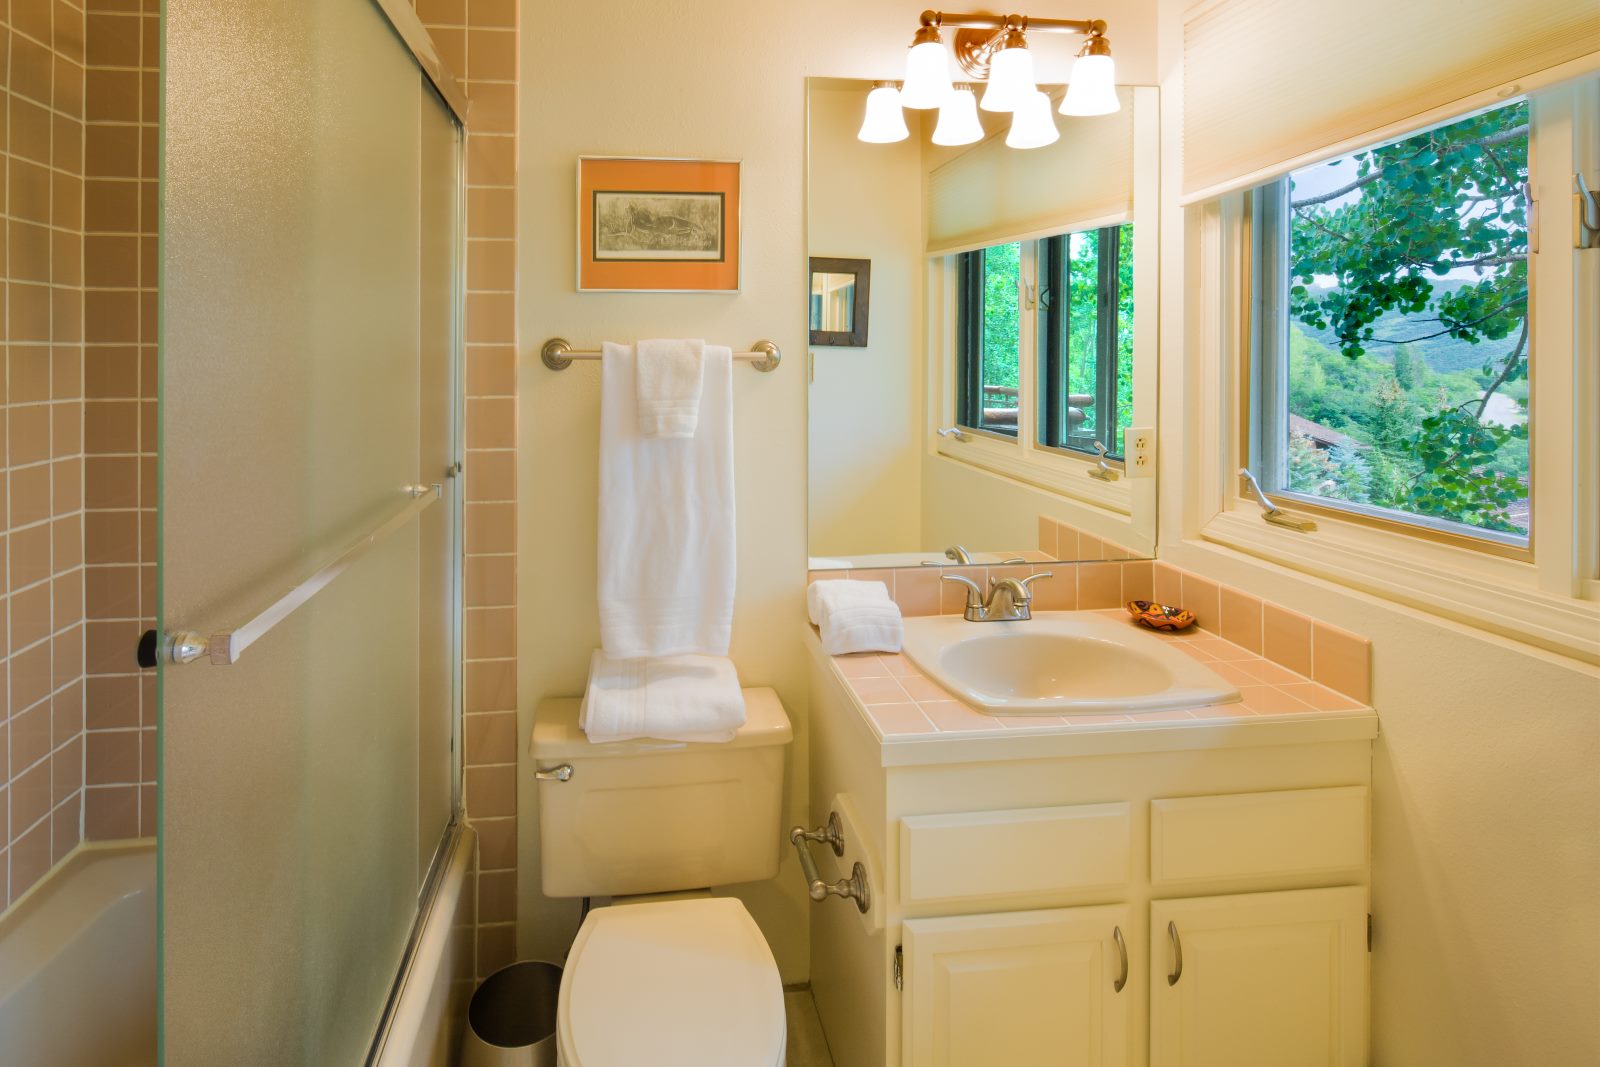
(989, 339)
(1391, 330)
(1086, 338)
(1083, 334)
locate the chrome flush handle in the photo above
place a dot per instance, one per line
(563, 773)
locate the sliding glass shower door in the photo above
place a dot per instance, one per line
(309, 522)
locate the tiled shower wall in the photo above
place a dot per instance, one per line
(119, 441)
(478, 41)
(77, 742)
(41, 738)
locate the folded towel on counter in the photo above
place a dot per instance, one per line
(673, 698)
(855, 616)
(666, 527)
(667, 379)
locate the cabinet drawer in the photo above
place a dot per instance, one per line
(1259, 836)
(1020, 853)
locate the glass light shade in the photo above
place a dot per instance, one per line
(927, 76)
(1010, 80)
(1032, 125)
(1093, 88)
(958, 119)
(884, 123)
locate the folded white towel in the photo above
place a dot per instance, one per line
(666, 547)
(667, 377)
(824, 595)
(855, 616)
(674, 698)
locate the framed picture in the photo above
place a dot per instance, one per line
(658, 225)
(839, 299)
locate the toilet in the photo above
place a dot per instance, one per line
(666, 973)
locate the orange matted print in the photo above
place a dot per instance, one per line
(658, 225)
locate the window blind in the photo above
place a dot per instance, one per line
(992, 193)
(1273, 84)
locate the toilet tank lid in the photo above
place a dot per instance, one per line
(556, 734)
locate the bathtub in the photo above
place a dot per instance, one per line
(78, 963)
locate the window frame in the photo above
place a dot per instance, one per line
(1055, 328)
(1552, 601)
(1264, 413)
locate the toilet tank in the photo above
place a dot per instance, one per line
(649, 816)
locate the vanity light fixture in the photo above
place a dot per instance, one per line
(1093, 88)
(992, 49)
(1031, 124)
(958, 118)
(884, 122)
(1010, 73)
(927, 70)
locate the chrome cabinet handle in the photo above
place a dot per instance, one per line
(1177, 954)
(562, 773)
(1122, 953)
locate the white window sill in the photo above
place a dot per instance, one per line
(1052, 470)
(1489, 592)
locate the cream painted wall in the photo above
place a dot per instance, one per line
(864, 419)
(715, 79)
(988, 511)
(1486, 775)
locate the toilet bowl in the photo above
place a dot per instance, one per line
(671, 983)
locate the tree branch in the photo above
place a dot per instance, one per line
(1371, 176)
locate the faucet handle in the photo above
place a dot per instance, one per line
(1023, 584)
(974, 592)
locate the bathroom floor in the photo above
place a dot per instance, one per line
(807, 1045)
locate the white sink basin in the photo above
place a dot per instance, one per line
(1059, 663)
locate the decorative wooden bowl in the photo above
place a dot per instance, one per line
(1160, 616)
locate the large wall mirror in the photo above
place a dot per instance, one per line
(1003, 407)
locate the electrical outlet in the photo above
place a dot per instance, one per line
(1139, 451)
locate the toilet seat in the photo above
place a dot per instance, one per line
(675, 982)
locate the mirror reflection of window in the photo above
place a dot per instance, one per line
(833, 301)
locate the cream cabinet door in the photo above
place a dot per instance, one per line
(1268, 979)
(1018, 989)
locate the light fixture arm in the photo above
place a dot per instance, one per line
(979, 36)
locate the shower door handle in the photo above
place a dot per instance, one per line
(224, 647)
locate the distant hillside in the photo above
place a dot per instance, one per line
(1440, 353)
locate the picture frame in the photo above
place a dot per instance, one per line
(649, 225)
(839, 298)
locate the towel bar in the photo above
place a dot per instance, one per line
(853, 888)
(558, 354)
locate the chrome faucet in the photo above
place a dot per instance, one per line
(958, 553)
(1009, 598)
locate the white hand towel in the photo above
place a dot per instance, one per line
(855, 616)
(673, 698)
(666, 533)
(824, 595)
(667, 377)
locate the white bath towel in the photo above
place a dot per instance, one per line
(666, 533)
(855, 616)
(667, 378)
(674, 698)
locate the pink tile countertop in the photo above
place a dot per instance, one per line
(902, 705)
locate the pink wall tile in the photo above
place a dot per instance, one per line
(1342, 661)
(1241, 618)
(1099, 585)
(1286, 638)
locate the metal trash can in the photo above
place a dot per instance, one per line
(511, 1021)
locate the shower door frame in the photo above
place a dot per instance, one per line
(403, 18)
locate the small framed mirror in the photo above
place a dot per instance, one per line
(840, 290)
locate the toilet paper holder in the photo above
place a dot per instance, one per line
(832, 834)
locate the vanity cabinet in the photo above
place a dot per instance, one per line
(1259, 978)
(1011, 869)
(1017, 988)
